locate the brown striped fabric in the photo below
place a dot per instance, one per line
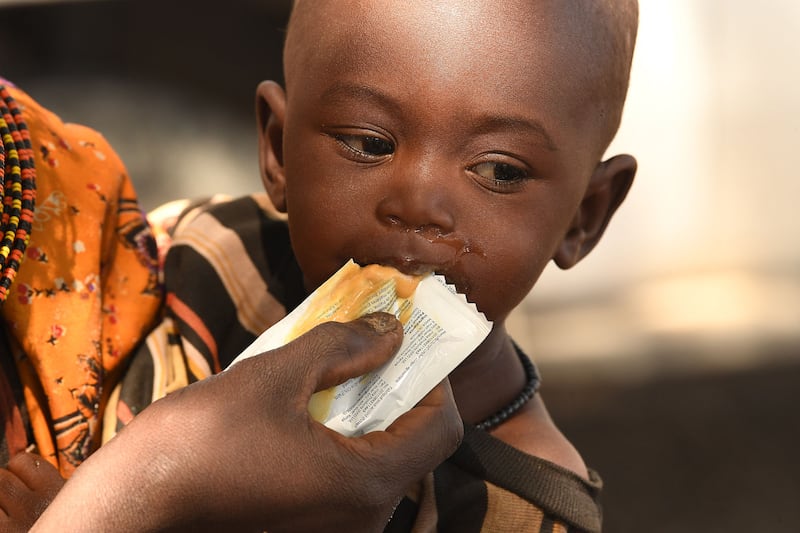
(229, 274)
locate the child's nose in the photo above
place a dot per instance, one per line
(419, 198)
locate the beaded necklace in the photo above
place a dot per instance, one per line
(531, 386)
(17, 189)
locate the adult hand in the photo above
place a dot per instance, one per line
(27, 485)
(240, 451)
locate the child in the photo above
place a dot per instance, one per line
(455, 136)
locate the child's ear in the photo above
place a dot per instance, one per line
(271, 114)
(607, 188)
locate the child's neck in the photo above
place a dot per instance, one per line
(489, 379)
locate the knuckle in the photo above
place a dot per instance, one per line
(20, 461)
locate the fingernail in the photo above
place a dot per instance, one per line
(381, 322)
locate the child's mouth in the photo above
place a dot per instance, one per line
(416, 253)
(412, 266)
(406, 265)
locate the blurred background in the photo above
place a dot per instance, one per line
(670, 354)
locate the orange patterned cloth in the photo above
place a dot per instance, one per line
(86, 293)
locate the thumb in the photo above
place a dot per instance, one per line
(333, 352)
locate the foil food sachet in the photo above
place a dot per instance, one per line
(441, 328)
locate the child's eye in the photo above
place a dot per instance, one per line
(499, 174)
(366, 147)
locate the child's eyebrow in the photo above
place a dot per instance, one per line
(491, 123)
(362, 92)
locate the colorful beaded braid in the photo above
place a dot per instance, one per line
(17, 189)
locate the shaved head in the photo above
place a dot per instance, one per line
(599, 34)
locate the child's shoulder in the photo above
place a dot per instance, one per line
(533, 432)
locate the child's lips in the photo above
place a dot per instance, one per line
(408, 265)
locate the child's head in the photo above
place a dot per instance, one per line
(459, 136)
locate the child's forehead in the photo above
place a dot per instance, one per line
(472, 25)
(576, 53)
(457, 21)
(583, 36)
(441, 39)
